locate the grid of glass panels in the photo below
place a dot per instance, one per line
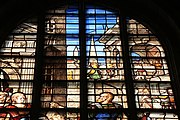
(105, 75)
(106, 81)
(152, 85)
(17, 64)
(61, 88)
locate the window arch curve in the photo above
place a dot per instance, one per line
(75, 58)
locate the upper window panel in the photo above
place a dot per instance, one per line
(148, 57)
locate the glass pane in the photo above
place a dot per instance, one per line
(150, 72)
(17, 64)
(154, 95)
(107, 93)
(61, 52)
(58, 115)
(62, 46)
(104, 51)
(104, 115)
(157, 116)
(105, 75)
(135, 28)
(61, 95)
(106, 84)
(148, 57)
(29, 26)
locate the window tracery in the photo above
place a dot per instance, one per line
(106, 79)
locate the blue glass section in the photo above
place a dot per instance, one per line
(72, 40)
(109, 12)
(72, 19)
(97, 20)
(90, 11)
(92, 27)
(72, 11)
(70, 26)
(135, 56)
(72, 30)
(111, 21)
(99, 11)
(100, 21)
(90, 21)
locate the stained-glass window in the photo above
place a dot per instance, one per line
(88, 63)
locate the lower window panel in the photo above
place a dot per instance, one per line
(57, 115)
(157, 116)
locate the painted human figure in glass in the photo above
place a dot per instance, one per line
(105, 101)
(18, 100)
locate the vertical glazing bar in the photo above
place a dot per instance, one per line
(38, 75)
(83, 74)
(132, 115)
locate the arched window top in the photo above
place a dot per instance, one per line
(89, 63)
